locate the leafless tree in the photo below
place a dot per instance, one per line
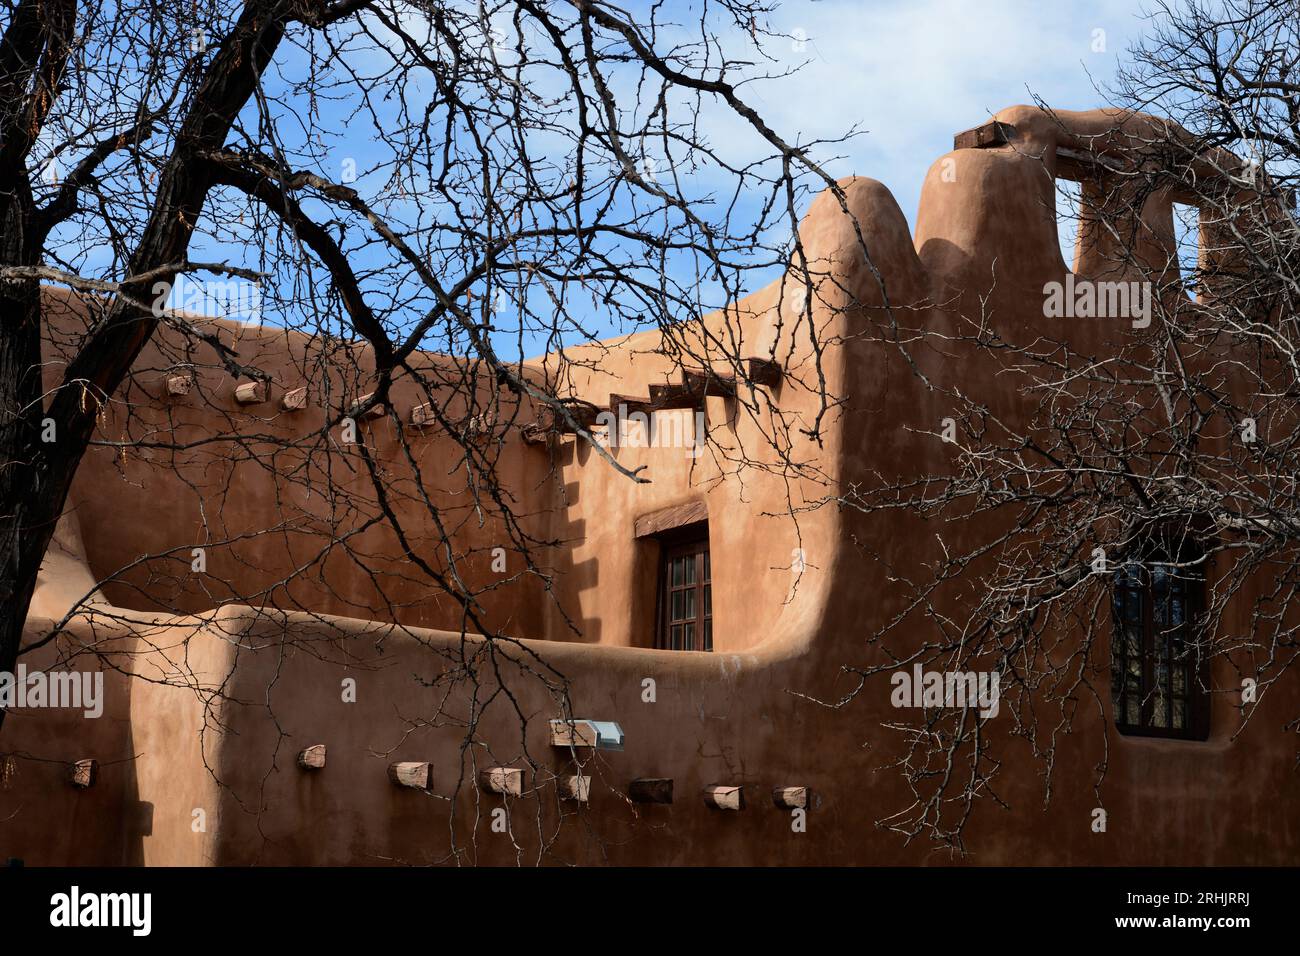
(393, 179)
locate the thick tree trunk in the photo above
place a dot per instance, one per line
(37, 475)
(20, 420)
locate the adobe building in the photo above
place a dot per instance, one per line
(299, 704)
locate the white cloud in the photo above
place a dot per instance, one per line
(914, 72)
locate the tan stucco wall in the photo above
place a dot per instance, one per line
(740, 715)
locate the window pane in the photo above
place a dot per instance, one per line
(1180, 715)
(708, 635)
(1133, 608)
(1131, 711)
(684, 573)
(1159, 715)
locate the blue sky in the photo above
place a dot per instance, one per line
(908, 74)
(913, 72)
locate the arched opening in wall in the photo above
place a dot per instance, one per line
(1187, 246)
(1068, 193)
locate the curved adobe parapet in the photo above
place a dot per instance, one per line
(988, 207)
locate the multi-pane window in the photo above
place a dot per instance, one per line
(685, 595)
(1156, 676)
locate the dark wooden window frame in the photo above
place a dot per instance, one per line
(1157, 604)
(689, 545)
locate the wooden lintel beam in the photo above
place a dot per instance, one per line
(991, 133)
(666, 519)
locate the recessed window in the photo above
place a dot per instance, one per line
(1158, 680)
(685, 592)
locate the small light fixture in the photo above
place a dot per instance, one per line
(609, 735)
